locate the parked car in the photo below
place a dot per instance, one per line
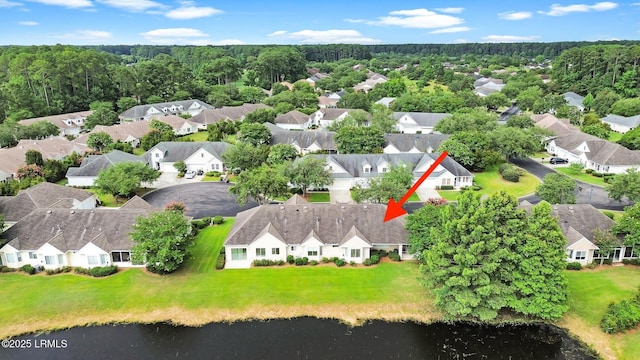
(190, 174)
(557, 160)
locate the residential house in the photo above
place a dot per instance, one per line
(485, 86)
(306, 141)
(417, 122)
(349, 170)
(146, 112)
(314, 231)
(373, 79)
(44, 196)
(574, 99)
(211, 116)
(69, 124)
(325, 117)
(505, 115)
(52, 148)
(412, 143)
(87, 172)
(621, 124)
(385, 101)
(179, 125)
(578, 223)
(331, 100)
(293, 120)
(55, 237)
(559, 127)
(594, 153)
(130, 132)
(315, 78)
(206, 156)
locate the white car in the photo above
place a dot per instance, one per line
(190, 174)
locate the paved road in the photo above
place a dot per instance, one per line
(201, 198)
(585, 193)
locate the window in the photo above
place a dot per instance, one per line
(60, 259)
(581, 255)
(275, 251)
(92, 259)
(355, 253)
(239, 254)
(312, 251)
(10, 257)
(628, 252)
(569, 254)
(215, 166)
(32, 255)
(384, 169)
(19, 256)
(116, 256)
(367, 169)
(446, 181)
(261, 252)
(103, 259)
(157, 155)
(49, 260)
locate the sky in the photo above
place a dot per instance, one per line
(163, 22)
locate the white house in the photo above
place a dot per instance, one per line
(313, 231)
(293, 120)
(179, 125)
(148, 111)
(412, 143)
(69, 124)
(91, 165)
(56, 237)
(325, 117)
(350, 170)
(574, 99)
(206, 156)
(306, 141)
(621, 124)
(417, 122)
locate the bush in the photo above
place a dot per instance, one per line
(511, 175)
(380, 253)
(79, 270)
(101, 271)
(353, 263)
(325, 260)
(64, 269)
(212, 173)
(220, 262)
(574, 266)
(6, 269)
(589, 171)
(290, 259)
(446, 187)
(305, 260)
(335, 258)
(374, 259)
(626, 261)
(200, 223)
(367, 262)
(622, 316)
(609, 214)
(503, 167)
(608, 261)
(340, 263)
(394, 256)
(217, 220)
(298, 262)
(267, 262)
(597, 174)
(635, 262)
(28, 269)
(520, 171)
(313, 262)
(476, 187)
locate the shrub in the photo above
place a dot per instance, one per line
(374, 259)
(335, 258)
(503, 167)
(394, 256)
(622, 316)
(199, 224)
(476, 187)
(352, 263)
(520, 171)
(298, 262)
(340, 263)
(446, 187)
(589, 171)
(511, 175)
(313, 262)
(367, 262)
(609, 214)
(290, 259)
(267, 262)
(59, 270)
(597, 174)
(101, 271)
(626, 261)
(217, 220)
(592, 265)
(608, 261)
(574, 266)
(79, 270)
(325, 260)
(6, 269)
(305, 260)
(635, 262)
(28, 269)
(220, 262)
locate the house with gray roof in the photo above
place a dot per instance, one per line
(44, 195)
(234, 113)
(486, 86)
(350, 170)
(325, 117)
(307, 141)
(56, 237)
(69, 124)
(558, 127)
(574, 99)
(146, 112)
(292, 120)
(91, 165)
(314, 231)
(594, 153)
(621, 124)
(385, 101)
(206, 156)
(412, 143)
(417, 122)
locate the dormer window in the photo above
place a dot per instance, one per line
(384, 169)
(367, 169)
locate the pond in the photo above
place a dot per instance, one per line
(300, 338)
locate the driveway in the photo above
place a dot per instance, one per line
(201, 198)
(585, 193)
(170, 179)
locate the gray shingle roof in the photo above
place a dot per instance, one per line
(422, 142)
(330, 222)
(292, 117)
(632, 121)
(41, 196)
(210, 116)
(421, 118)
(304, 139)
(179, 151)
(600, 151)
(140, 111)
(574, 99)
(92, 164)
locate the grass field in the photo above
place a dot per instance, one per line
(584, 177)
(492, 182)
(319, 197)
(197, 137)
(138, 151)
(615, 136)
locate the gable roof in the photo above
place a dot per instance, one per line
(386, 101)
(558, 127)
(176, 122)
(60, 120)
(119, 132)
(422, 118)
(631, 122)
(600, 151)
(141, 111)
(41, 196)
(304, 139)
(334, 113)
(296, 200)
(92, 164)
(574, 99)
(422, 142)
(330, 222)
(51, 148)
(180, 151)
(292, 117)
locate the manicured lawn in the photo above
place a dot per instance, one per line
(210, 178)
(414, 198)
(62, 182)
(138, 151)
(108, 200)
(616, 214)
(319, 197)
(207, 247)
(541, 155)
(492, 182)
(197, 137)
(615, 136)
(584, 177)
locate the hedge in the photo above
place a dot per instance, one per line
(28, 269)
(220, 261)
(574, 266)
(622, 316)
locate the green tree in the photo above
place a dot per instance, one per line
(355, 100)
(629, 226)
(467, 121)
(626, 107)
(520, 121)
(180, 166)
(54, 170)
(281, 153)
(382, 119)
(254, 134)
(496, 100)
(252, 94)
(392, 184)
(126, 103)
(606, 241)
(419, 225)
(603, 131)
(99, 140)
(261, 184)
(261, 116)
(557, 189)
(101, 116)
(162, 241)
(527, 98)
(513, 142)
(625, 185)
(309, 172)
(33, 157)
(588, 102)
(243, 156)
(359, 140)
(472, 149)
(603, 101)
(631, 139)
(123, 179)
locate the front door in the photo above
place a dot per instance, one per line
(616, 255)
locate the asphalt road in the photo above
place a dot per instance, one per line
(585, 193)
(201, 198)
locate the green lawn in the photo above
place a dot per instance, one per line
(319, 197)
(108, 200)
(492, 182)
(206, 249)
(197, 137)
(584, 177)
(615, 136)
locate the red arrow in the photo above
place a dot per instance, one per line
(394, 209)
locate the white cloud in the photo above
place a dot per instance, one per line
(326, 37)
(559, 10)
(27, 23)
(514, 15)
(176, 36)
(509, 38)
(6, 3)
(355, 21)
(451, 10)
(66, 3)
(228, 42)
(132, 5)
(417, 18)
(451, 30)
(460, 41)
(87, 35)
(192, 12)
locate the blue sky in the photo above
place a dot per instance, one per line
(89, 22)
